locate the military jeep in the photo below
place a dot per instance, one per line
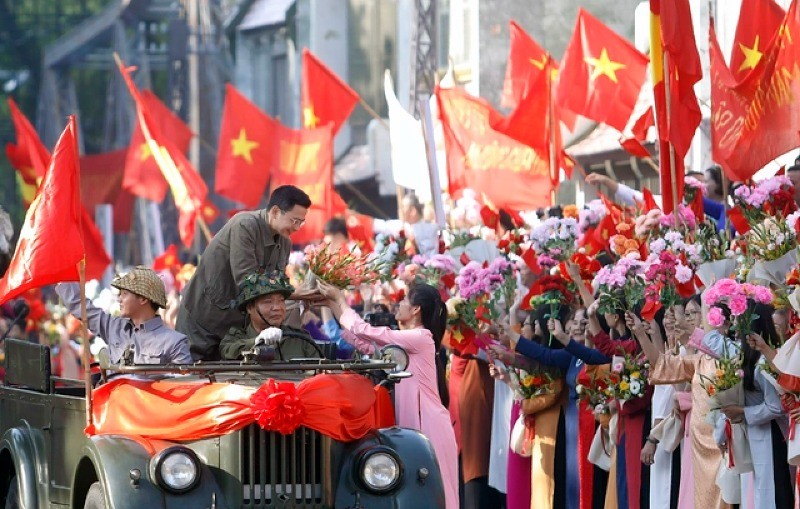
(47, 460)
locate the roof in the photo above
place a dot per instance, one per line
(263, 13)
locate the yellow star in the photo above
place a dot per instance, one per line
(310, 120)
(751, 56)
(604, 66)
(144, 152)
(539, 64)
(242, 146)
(784, 35)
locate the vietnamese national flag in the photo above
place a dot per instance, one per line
(188, 188)
(304, 158)
(142, 174)
(168, 260)
(481, 158)
(758, 24)
(101, 183)
(754, 119)
(245, 148)
(601, 73)
(324, 97)
(50, 243)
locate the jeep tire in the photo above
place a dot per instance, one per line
(95, 498)
(12, 494)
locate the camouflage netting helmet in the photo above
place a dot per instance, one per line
(143, 282)
(258, 284)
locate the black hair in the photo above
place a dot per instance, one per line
(286, 197)
(336, 225)
(716, 174)
(555, 211)
(696, 298)
(505, 220)
(434, 318)
(762, 325)
(411, 199)
(542, 315)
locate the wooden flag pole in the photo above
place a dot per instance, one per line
(672, 170)
(551, 127)
(87, 354)
(372, 112)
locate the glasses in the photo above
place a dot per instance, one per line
(294, 220)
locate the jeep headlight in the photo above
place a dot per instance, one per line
(176, 469)
(380, 470)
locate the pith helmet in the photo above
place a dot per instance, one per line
(258, 284)
(144, 282)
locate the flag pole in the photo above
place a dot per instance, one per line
(433, 167)
(372, 112)
(87, 355)
(672, 169)
(552, 141)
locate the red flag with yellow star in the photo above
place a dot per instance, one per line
(142, 174)
(244, 152)
(601, 73)
(758, 23)
(754, 120)
(188, 188)
(324, 97)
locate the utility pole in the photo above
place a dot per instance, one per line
(424, 51)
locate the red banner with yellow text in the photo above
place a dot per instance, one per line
(482, 159)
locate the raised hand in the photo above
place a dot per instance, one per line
(557, 330)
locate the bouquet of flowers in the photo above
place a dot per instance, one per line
(597, 392)
(771, 239)
(669, 278)
(620, 285)
(439, 269)
(631, 375)
(537, 389)
(590, 216)
(511, 243)
(713, 244)
(725, 388)
(555, 240)
(770, 197)
(691, 188)
(739, 300)
(393, 250)
(343, 269)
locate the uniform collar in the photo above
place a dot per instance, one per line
(150, 325)
(272, 236)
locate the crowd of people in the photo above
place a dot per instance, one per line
(623, 354)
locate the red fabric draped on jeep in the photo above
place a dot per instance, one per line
(344, 407)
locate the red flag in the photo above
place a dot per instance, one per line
(101, 182)
(527, 62)
(188, 188)
(31, 154)
(28, 156)
(360, 229)
(304, 158)
(142, 174)
(635, 133)
(481, 158)
(168, 260)
(50, 244)
(243, 156)
(754, 120)
(601, 73)
(758, 23)
(325, 98)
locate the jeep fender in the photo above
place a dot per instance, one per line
(417, 487)
(114, 456)
(26, 448)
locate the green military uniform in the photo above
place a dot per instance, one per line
(296, 343)
(246, 244)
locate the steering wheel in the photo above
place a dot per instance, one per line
(302, 338)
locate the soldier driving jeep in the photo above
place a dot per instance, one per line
(262, 299)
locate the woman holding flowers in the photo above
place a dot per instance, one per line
(765, 420)
(670, 367)
(422, 318)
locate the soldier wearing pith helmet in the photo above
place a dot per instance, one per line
(139, 327)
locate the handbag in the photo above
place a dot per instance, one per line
(600, 450)
(521, 441)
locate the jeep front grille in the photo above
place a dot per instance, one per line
(284, 471)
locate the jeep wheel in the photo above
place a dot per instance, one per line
(95, 498)
(12, 495)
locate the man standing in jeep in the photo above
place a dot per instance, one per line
(141, 293)
(254, 241)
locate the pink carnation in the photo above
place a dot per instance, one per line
(738, 304)
(715, 317)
